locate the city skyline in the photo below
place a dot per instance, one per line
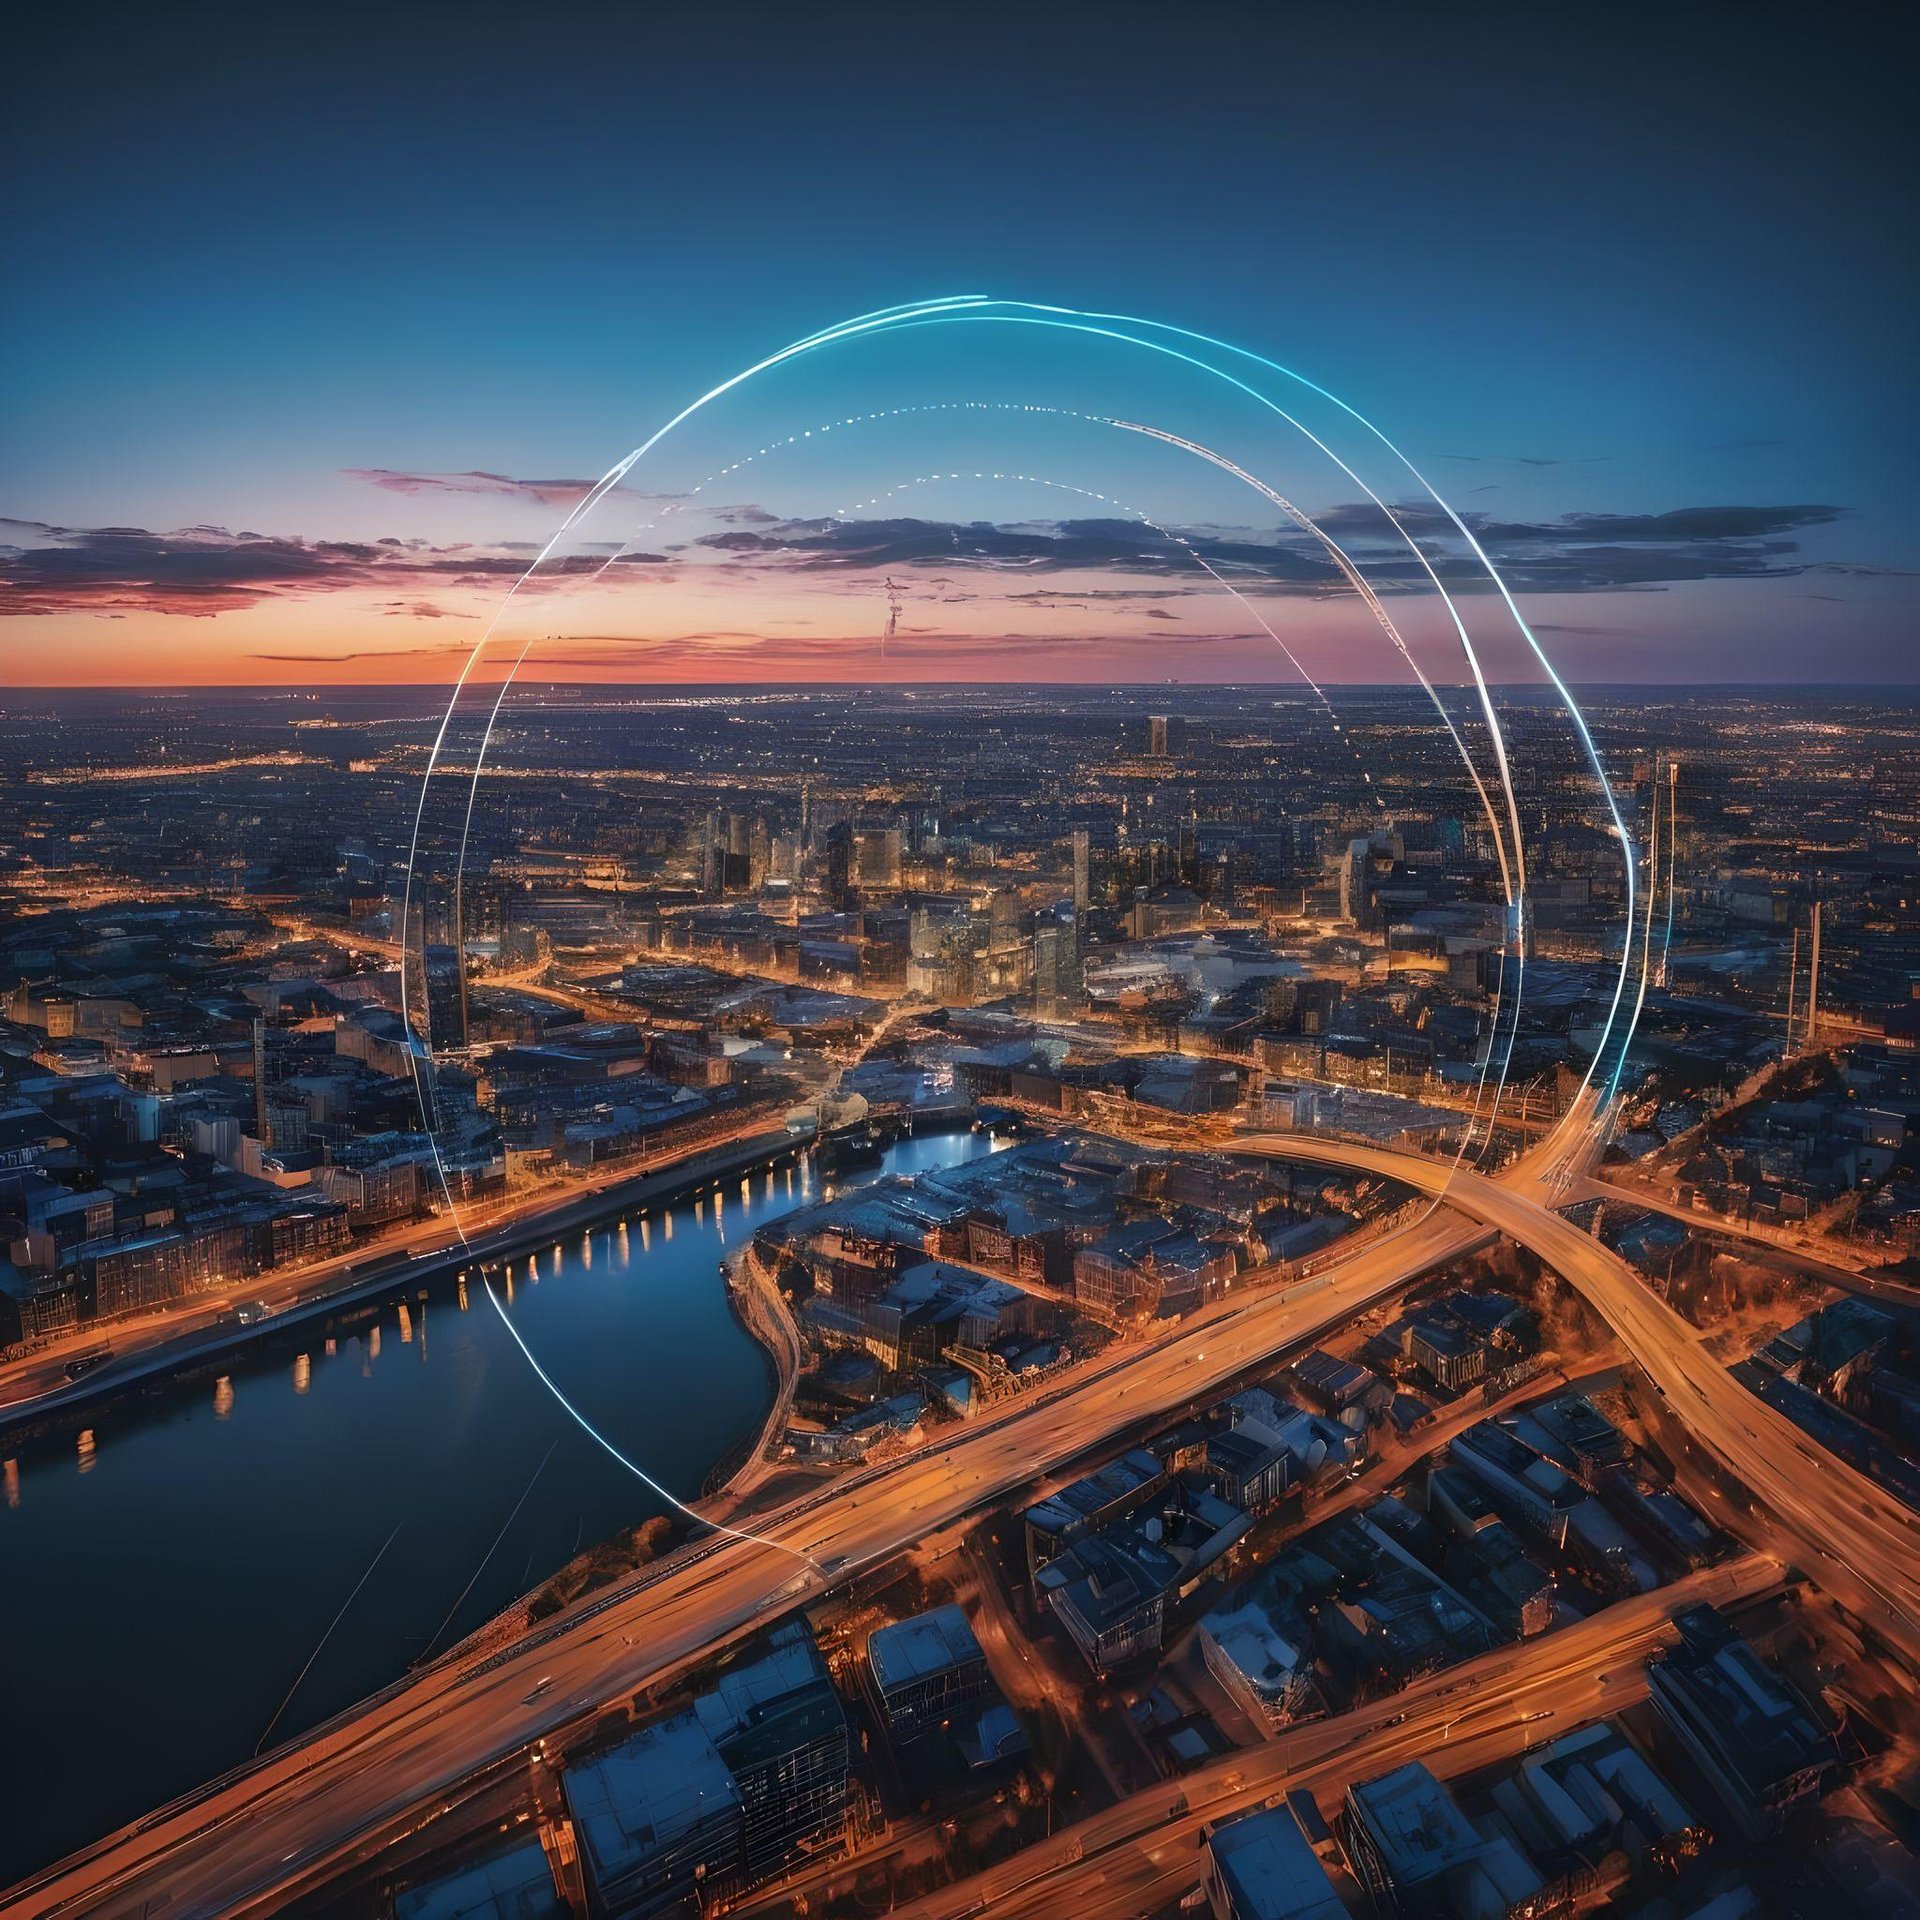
(958, 961)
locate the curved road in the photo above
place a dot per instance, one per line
(1143, 1853)
(252, 1842)
(1855, 1540)
(281, 1828)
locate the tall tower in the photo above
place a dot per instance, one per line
(260, 1079)
(1813, 981)
(460, 947)
(1793, 982)
(1673, 854)
(1080, 866)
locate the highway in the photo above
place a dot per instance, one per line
(1856, 1541)
(1818, 1254)
(277, 1829)
(195, 1329)
(1146, 1851)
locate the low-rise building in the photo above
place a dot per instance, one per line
(1262, 1867)
(515, 1883)
(1266, 1675)
(658, 1819)
(1418, 1855)
(1757, 1742)
(920, 1670)
(1096, 1500)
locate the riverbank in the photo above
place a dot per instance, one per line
(732, 1485)
(343, 1291)
(762, 1312)
(256, 1492)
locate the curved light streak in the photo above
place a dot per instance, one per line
(1519, 620)
(951, 310)
(1338, 554)
(639, 1472)
(1352, 573)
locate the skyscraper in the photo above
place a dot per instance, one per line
(837, 846)
(1056, 963)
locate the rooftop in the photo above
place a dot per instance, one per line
(917, 1649)
(648, 1794)
(1271, 1871)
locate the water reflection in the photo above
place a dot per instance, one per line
(247, 1543)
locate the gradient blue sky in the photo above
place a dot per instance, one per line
(1581, 261)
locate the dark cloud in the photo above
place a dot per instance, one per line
(545, 493)
(1528, 459)
(1584, 552)
(1578, 552)
(1057, 546)
(421, 610)
(204, 571)
(1683, 523)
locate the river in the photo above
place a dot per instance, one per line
(172, 1560)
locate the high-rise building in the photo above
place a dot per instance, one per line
(1166, 735)
(779, 1727)
(260, 1080)
(1080, 870)
(942, 943)
(880, 851)
(837, 875)
(1056, 963)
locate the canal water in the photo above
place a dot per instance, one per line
(168, 1570)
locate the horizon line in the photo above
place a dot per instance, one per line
(295, 690)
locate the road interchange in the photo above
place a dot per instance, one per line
(283, 1827)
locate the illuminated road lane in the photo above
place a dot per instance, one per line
(255, 1840)
(1146, 1851)
(251, 1843)
(1855, 1540)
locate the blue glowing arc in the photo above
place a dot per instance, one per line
(981, 308)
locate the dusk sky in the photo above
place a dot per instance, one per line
(318, 321)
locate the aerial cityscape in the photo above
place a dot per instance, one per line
(1037, 1129)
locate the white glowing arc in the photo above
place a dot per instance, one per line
(950, 310)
